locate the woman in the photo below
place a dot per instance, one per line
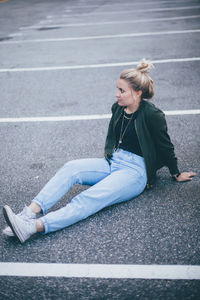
(137, 145)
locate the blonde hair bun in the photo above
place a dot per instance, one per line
(145, 66)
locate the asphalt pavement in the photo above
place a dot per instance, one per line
(62, 58)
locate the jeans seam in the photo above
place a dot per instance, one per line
(92, 172)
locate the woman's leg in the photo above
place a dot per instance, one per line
(83, 171)
(127, 180)
(121, 185)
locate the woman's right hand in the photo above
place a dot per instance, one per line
(185, 176)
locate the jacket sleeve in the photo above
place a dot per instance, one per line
(114, 107)
(163, 144)
(110, 139)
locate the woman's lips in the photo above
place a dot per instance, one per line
(119, 101)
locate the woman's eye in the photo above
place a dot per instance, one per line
(122, 91)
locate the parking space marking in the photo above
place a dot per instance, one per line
(113, 22)
(87, 117)
(128, 11)
(124, 4)
(109, 36)
(107, 65)
(171, 272)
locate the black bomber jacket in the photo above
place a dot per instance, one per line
(155, 143)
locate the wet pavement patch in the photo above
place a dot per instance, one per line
(6, 38)
(48, 28)
(37, 166)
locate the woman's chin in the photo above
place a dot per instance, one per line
(119, 103)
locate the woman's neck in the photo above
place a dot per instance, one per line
(132, 108)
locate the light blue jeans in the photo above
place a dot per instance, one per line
(123, 180)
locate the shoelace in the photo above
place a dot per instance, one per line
(24, 215)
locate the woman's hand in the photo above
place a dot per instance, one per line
(185, 176)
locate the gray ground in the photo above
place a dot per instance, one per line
(162, 225)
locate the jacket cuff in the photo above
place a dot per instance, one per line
(174, 170)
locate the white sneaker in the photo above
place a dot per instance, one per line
(22, 229)
(26, 214)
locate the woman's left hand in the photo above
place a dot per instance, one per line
(185, 176)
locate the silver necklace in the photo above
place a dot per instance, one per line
(121, 131)
(127, 117)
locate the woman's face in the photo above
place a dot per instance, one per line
(126, 96)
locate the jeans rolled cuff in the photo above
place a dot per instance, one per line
(40, 204)
(43, 219)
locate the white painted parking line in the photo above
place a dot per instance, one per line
(108, 65)
(106, 5)
(128, 11)
(171, 272)
(182, 112)
(112, 22)
(87, 117)
(55, 119)
(98, 37)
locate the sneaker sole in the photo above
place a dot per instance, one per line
(8, 232)
(8, 215)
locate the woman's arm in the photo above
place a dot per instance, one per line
(165, 147)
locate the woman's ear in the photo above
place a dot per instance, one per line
(139, 93)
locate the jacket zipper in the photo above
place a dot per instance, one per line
(138, 136)
(148, 185)
(114, 125)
